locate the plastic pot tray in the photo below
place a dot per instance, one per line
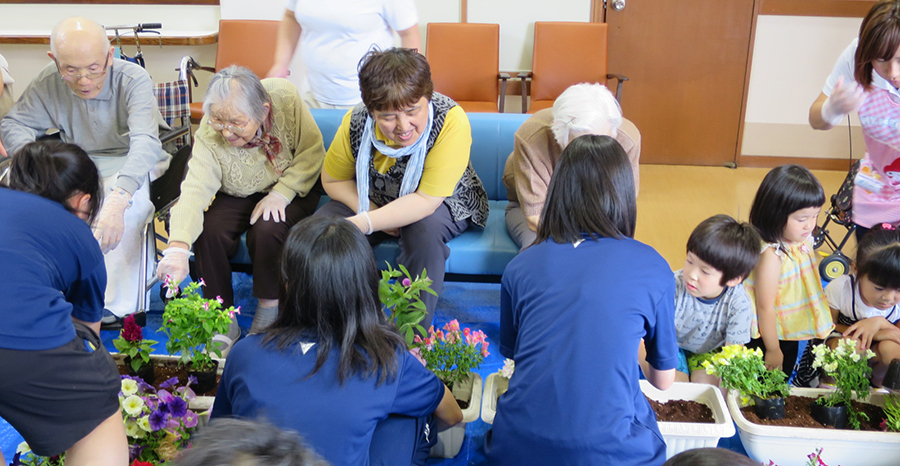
(494, 385)
(788, 446)
(200, 403)
(450, 441)
(681, 436)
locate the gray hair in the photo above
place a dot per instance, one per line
(586, 108)
(241, 89)
(77, 23)
(235, 442)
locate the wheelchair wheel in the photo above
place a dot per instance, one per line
(834, 266)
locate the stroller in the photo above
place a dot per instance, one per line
(837, 263)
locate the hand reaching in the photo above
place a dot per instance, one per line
(174, 264)
(111, 221)
(774, 359)
(865, 330)
(273, 206)
(845, 98)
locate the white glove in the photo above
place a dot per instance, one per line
(844, 99)
(111, 221)
(174, 264)
(272, 205)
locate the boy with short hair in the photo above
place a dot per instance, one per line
(711, 307)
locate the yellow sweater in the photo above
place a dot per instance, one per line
(217, 166)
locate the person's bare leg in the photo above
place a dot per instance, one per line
(885, 352)
(106, 445)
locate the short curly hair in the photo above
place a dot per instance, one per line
(394, 79)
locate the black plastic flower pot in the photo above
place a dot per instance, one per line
(206, 380)
(147, 372)
(832, 416)
(769, 408)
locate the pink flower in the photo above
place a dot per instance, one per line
(219, 299)
(467, 331)
(131, 331)
(237, 310)
(417, 339)
(202, 283)
(206, 306)
(452, 326)
(406, 282)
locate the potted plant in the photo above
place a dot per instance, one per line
(452, 354)
(891, 422)
(850, 370)
(190, 322)
(744, 370)
(401, 298)
(137, 349)
(158, 423)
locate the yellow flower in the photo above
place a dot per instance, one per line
(129, 387)
(133, 405)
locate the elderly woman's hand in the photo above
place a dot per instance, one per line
(273, 206)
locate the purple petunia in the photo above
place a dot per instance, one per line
(191, 419)
(158, 420)
(164, 396)
(192, 380)
(177, 407)
(169, 383)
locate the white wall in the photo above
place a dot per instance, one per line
(792, 56)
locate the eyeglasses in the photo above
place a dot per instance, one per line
(234, 129)
(73, 76)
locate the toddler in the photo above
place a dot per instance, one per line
(785, 285)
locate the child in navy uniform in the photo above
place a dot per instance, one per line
(711, 307)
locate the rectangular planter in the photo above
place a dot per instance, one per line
(788, 446)
(200, 403)
(495, 385)
(449, 441)
(681, 436)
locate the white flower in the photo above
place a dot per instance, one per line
(129, 387)
(144, 423)
(870, 354)
(854, 357)
(23, 448)
(133, 430)
(831, 367)
(509, 366)
(133, 405)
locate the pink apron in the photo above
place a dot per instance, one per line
(876, 192)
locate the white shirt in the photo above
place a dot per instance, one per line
(338, 33)
(840, 296)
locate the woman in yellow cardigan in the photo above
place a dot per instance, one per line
(254, 168)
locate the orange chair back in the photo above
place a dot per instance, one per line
(566, 53)
(465, 61)
(249, 43)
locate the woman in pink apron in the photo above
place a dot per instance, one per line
(866, 78)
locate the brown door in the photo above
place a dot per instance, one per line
(686, 63)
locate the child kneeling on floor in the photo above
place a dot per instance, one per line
(711, 307)
(864, 304)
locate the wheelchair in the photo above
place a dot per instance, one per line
(837, 263)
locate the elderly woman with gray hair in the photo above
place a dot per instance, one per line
(581, 109)
(254, 168)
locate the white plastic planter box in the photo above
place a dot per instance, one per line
(493, 387)
(681, 436)
(788, 446)
(450, 440)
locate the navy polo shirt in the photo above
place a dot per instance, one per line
(52, 270)
(572, 318)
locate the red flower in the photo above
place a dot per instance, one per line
(131, 331)
(141, 463)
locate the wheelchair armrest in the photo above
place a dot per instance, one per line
(172, 134)
(187, 67)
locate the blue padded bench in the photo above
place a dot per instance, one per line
(478, 251)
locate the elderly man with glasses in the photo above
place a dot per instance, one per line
(106, 106)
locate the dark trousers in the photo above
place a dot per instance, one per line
(223, 224)
(423, 246)
(788, 348)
